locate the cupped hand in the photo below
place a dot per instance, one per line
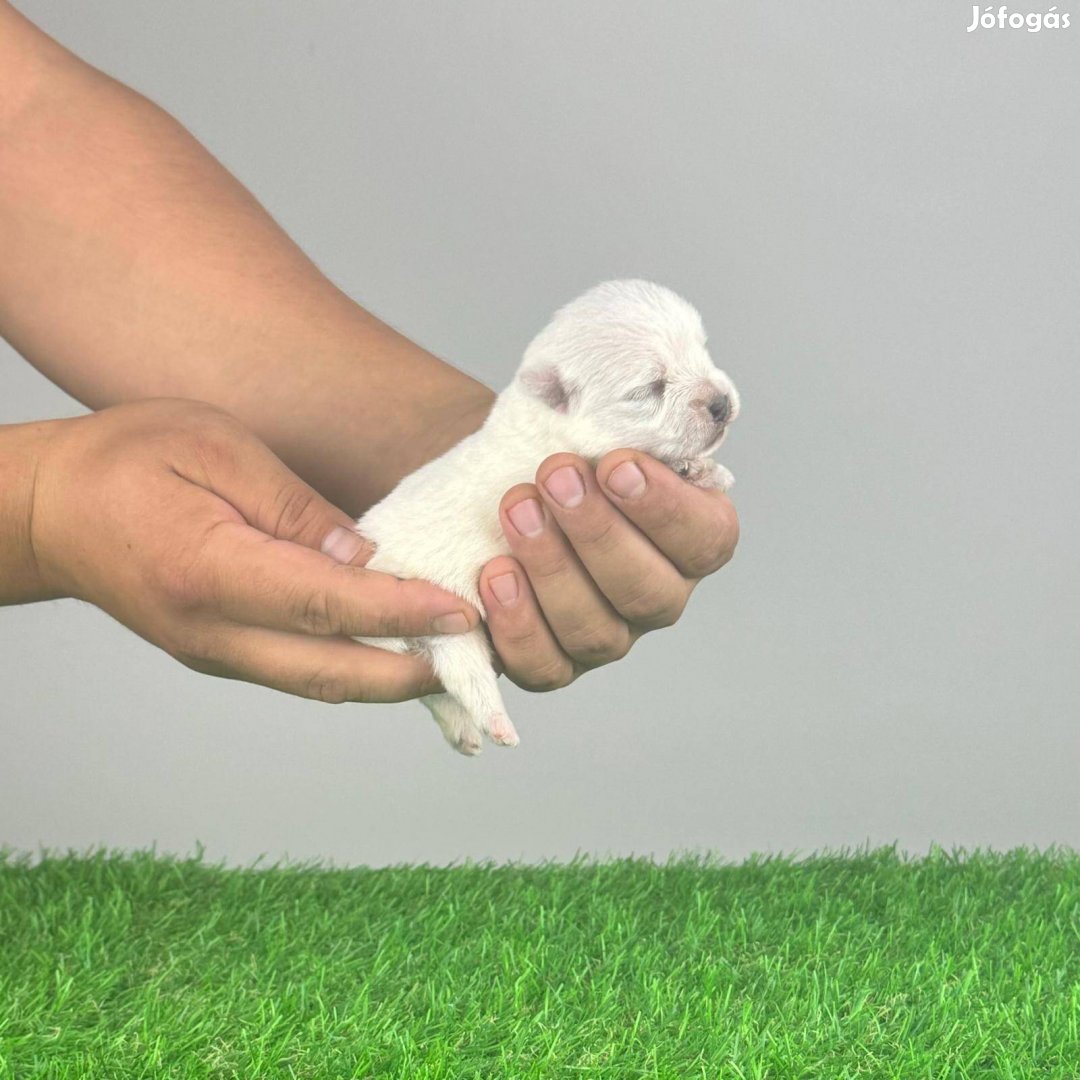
(181, 524)
(598, 559)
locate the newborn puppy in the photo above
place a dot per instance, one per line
(623, 365)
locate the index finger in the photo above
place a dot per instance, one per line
(253, 579)
(332, 670)
(696, 528)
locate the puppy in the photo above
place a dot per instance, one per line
(623, 365)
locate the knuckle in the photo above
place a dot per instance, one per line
(598, 534)
(518, 636)
(185, 587)
(199, 652)
(596, 645)
(186, 578)
(548, 564)
(327, 687)
(387, 623)
(201, 411)
(522, 639)
(715, 550)
(184, 415)
(553, 674)
(386, 619)
(652, 609)
(316, 614)
(701, 562)
(727, 533)
(669, 512)
(213, 427)
(212, 436)
(292, 509)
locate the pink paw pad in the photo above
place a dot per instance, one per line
(502, 731)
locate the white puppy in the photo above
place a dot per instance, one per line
(624, 365)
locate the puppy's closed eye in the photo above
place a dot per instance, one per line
(650, 392)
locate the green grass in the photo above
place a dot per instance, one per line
(857, 964)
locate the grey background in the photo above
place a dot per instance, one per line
(876, 213)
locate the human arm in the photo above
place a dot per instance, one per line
(135, 266)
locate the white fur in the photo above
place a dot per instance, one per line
(589, 383)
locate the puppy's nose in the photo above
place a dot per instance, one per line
(720, 408)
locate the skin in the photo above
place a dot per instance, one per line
(136, 267)
(601, 573)
(217, 559)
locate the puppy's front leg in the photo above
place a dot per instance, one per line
(705, 473)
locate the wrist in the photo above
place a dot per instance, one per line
(24, 451)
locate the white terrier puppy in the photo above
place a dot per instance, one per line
(624, 365)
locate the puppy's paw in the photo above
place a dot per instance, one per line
(467, 739)
(455, 723)
(501, 731)
(468, 743)
(706, 473)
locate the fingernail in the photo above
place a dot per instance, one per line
(454, 623)
(627, 481)
(565, 487)
(527, 517)
(342, 545)
(505, 588)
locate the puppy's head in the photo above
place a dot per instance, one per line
(626, 363)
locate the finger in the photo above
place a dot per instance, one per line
(529, 652)
(697, 529)
(587, 627)
(234, 465)
(252, 579)
(639, 581)
(333, 670)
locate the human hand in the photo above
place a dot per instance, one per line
(178, 522)
(598, 559)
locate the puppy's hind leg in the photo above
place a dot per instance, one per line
(472, 705)
(455, 723)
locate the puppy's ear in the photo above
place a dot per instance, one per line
(546, 385)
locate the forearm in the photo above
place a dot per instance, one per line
(22, 448)
(136, 266)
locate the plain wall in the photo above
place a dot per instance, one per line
(876, 213)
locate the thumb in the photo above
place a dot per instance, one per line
(344, 545)
(274, 500)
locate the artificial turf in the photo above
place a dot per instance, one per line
(843, 965)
